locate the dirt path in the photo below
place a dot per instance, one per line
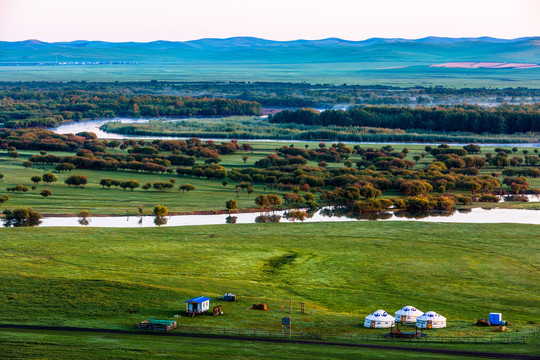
(478, 354)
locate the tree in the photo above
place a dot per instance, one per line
(224, 183)
(274, 200)
(131, 184)
(76, 180)
(186, 187)
(262, 201)
(369, 192)
(49, 178)
(84, 214)
(146, 186)
(65, 167)
(27, 164)
(231, 205)
(45, 193)
(1, 176)
(162, 186)
(245, 158)
(417, 158)
(4, 199)
(13, 154)
(36, 179)
(294, 215)
(160, 211)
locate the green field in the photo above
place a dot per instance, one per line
(62, 345)
(343, 271)
(315, 73)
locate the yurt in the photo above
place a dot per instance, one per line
(431, 320)
(407, 314)
(379, 319)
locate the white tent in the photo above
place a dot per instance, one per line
(431, 320)
(407, 314)
(379, 319)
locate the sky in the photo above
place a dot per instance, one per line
(180, 20)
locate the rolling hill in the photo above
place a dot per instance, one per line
(430, 50)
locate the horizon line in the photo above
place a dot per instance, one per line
(259, 38)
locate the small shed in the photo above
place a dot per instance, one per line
(160, 325)
(407, 314)
(229, 297)
(197, 305)
(495, 318)
(431, 320)
(379, 319)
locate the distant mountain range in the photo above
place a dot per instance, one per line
(429, 50)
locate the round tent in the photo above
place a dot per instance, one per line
(407, 314)
(379, 319)
(431, 320)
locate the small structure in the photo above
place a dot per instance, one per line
(407, 314)
(159, 325)
(286, 325)
(197, 305)
(379, 319)
(217, 310)
(260, 307)
(495, 318)
(228, 297)
(431, 320)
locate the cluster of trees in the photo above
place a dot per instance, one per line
(143, 156)
(21, 108)
(21, 217)
(283, 94)
(504, 119)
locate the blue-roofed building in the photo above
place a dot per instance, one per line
(197, 305)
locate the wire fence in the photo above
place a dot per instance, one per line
(349, 337)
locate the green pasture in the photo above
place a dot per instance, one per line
(94, 277)
(369, 73)
(63, 345)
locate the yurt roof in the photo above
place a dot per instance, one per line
(379, 315)
(431, 315)
(409, 310)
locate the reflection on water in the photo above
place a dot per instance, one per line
(269, 218)
(84, 221)
(160, 220)
(476, 215)
(231, 219)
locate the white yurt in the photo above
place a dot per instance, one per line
(379, 319)
(431, 320)
(407, 314)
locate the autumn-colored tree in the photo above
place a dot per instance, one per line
(45, 193)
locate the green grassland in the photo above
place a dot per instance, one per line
(62, 345)
(316, 73)
(343, 271)
(210, 195)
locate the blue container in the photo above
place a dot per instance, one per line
(495, 318)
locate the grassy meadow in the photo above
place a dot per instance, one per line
(343, 271)
(209, 195)
(63, 345)
(397, 73)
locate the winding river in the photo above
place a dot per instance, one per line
(94, 126)
(473, 216)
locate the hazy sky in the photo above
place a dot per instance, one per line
(148, 20)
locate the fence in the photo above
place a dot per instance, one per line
(327, 336)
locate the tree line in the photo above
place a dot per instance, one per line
(504, 119)
(21, 108)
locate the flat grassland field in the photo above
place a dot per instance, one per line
(93, 277)
(361, 73)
